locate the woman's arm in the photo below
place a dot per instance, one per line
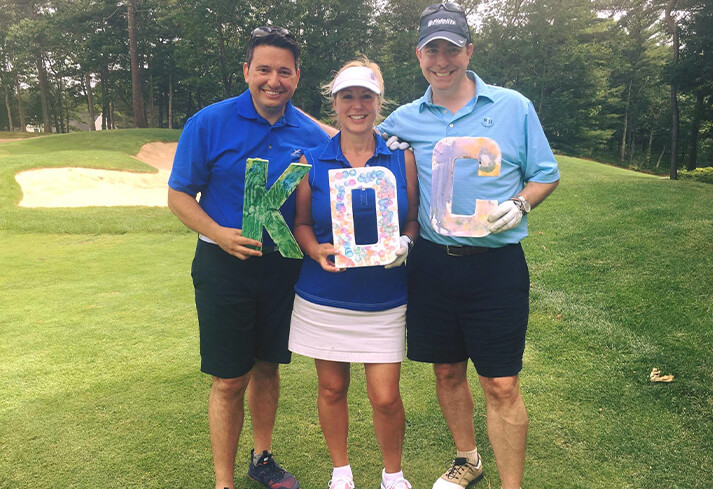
(304, 228)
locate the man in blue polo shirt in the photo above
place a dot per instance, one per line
(468, 279)
(243, 295)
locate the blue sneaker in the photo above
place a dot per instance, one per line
(269, 473)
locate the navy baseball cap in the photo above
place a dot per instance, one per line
(444, 21)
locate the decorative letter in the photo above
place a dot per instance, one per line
(341, 184)
(447, 151)
(261, 207)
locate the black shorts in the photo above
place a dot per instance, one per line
(244, 309)
(462, 307)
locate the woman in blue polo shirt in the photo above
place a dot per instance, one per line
(342, 316)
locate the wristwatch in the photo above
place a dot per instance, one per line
(522, 204)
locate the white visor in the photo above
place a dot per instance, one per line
(357, 76)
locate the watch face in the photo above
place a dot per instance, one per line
(526, 205)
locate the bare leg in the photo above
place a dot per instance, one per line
(332, 406)
(225, 418)
(263, 394)
(382, 383)
(507, 427)
(456, 400)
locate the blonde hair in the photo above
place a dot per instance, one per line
(326, 89)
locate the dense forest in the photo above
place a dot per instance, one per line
(628, 81)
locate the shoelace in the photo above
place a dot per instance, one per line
(271, 466)
(457, 465)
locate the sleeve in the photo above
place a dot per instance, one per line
(191, 165)
(389, 125)
(540, 163)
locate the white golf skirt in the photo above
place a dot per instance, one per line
(344, 335)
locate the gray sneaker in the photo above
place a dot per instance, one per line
(460, 475)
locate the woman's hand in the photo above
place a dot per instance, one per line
(321, 254)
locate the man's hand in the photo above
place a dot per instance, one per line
(394, 143)
(233, 242)
(505, 216)
(401, 253)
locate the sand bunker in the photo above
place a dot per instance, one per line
(82, 187)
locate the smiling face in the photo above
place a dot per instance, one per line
(444, 64)
(272, 80)
(356, 109)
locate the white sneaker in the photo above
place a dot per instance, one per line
(341, 483)
(397, 484)
(460, 475)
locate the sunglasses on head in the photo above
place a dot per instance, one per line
(266, 30)
(449, 6)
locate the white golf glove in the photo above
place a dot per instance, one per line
(393, 143)
(505, 216)
(401, 253)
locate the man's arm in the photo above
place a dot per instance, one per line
(535, 192)
(331, 131)
(186, 208)
(509, 214)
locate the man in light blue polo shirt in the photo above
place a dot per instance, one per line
(468, 279)
(243, 295)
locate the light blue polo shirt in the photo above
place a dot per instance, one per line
(217, 141)
(501, 114)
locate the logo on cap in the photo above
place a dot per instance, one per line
(441, 22)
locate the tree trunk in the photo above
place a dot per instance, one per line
(673, 30)
(632, 146)
(648, 148)
(170, 101)
(42, 74)
(695, 128)
(90, 101)
(160, 108)
(151, 122)
(137, 94)
(20, 109)
(105, 98)
(60, 108)
(658, 162)
(622, 155)
(9, 110)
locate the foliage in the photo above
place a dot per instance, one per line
(704, 175)
(598, 72)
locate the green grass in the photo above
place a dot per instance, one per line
(99, 371)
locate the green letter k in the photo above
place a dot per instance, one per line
(261, 207)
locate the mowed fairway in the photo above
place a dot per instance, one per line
(99, 365)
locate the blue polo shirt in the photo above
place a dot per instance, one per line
(363, 288)
(217, 141)
(503, 115)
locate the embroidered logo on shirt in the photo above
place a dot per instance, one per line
(487, 122)
(297, 153)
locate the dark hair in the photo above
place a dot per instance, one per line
(274, 36)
